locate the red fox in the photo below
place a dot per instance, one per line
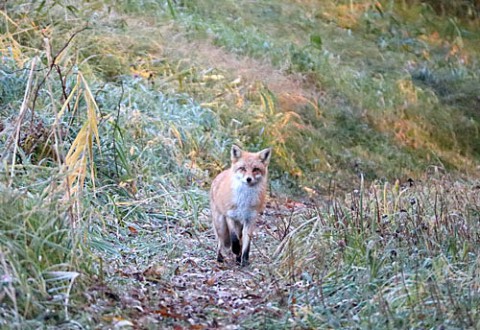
(237, 197)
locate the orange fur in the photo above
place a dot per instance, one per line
(237, 197)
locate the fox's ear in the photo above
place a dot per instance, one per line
(265, 155)
(236, 153)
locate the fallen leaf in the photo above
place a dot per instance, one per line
(197, 327)
(168, 313)
(211, 281)
(155, 271)
(132, 230)
(122, 323)
(294, 205)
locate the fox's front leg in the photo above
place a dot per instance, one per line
(247, 233)
(236, 228)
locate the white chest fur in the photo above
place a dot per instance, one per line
(245, 201)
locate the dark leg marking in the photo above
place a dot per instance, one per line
(245, 256)
(236, 248)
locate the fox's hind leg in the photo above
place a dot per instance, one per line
(220, 257)
(222, 233)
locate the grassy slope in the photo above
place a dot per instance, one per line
(385, 256)
(368, 80)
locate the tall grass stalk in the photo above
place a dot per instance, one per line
(21, 116)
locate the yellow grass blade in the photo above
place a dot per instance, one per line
(82, 146)
(92, 109)
(67, 101)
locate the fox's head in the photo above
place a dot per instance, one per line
(250, 167)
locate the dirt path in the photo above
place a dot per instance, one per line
(293, 91)
(172, 43)
(249, 70)
(178, 284)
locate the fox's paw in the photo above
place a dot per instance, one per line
(220, 258)
(243, 261)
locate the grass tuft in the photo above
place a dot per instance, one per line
(387, 255)
(40, 259)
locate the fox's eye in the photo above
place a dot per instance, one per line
(256, 169)
(243, 169)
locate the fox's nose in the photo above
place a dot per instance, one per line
(249, 179)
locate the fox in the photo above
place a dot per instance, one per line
(237, 197)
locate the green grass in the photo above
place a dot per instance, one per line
(355, 98)
(381, 68)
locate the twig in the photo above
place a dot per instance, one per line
(53, 64)
(23, 110)
(115, 128)
(290, 235)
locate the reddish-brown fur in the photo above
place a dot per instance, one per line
(237, 197)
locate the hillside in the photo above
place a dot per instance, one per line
(117, 115)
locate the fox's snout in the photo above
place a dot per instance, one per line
(249, 179)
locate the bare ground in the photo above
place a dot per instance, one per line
(172, 43)
(153, 284)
